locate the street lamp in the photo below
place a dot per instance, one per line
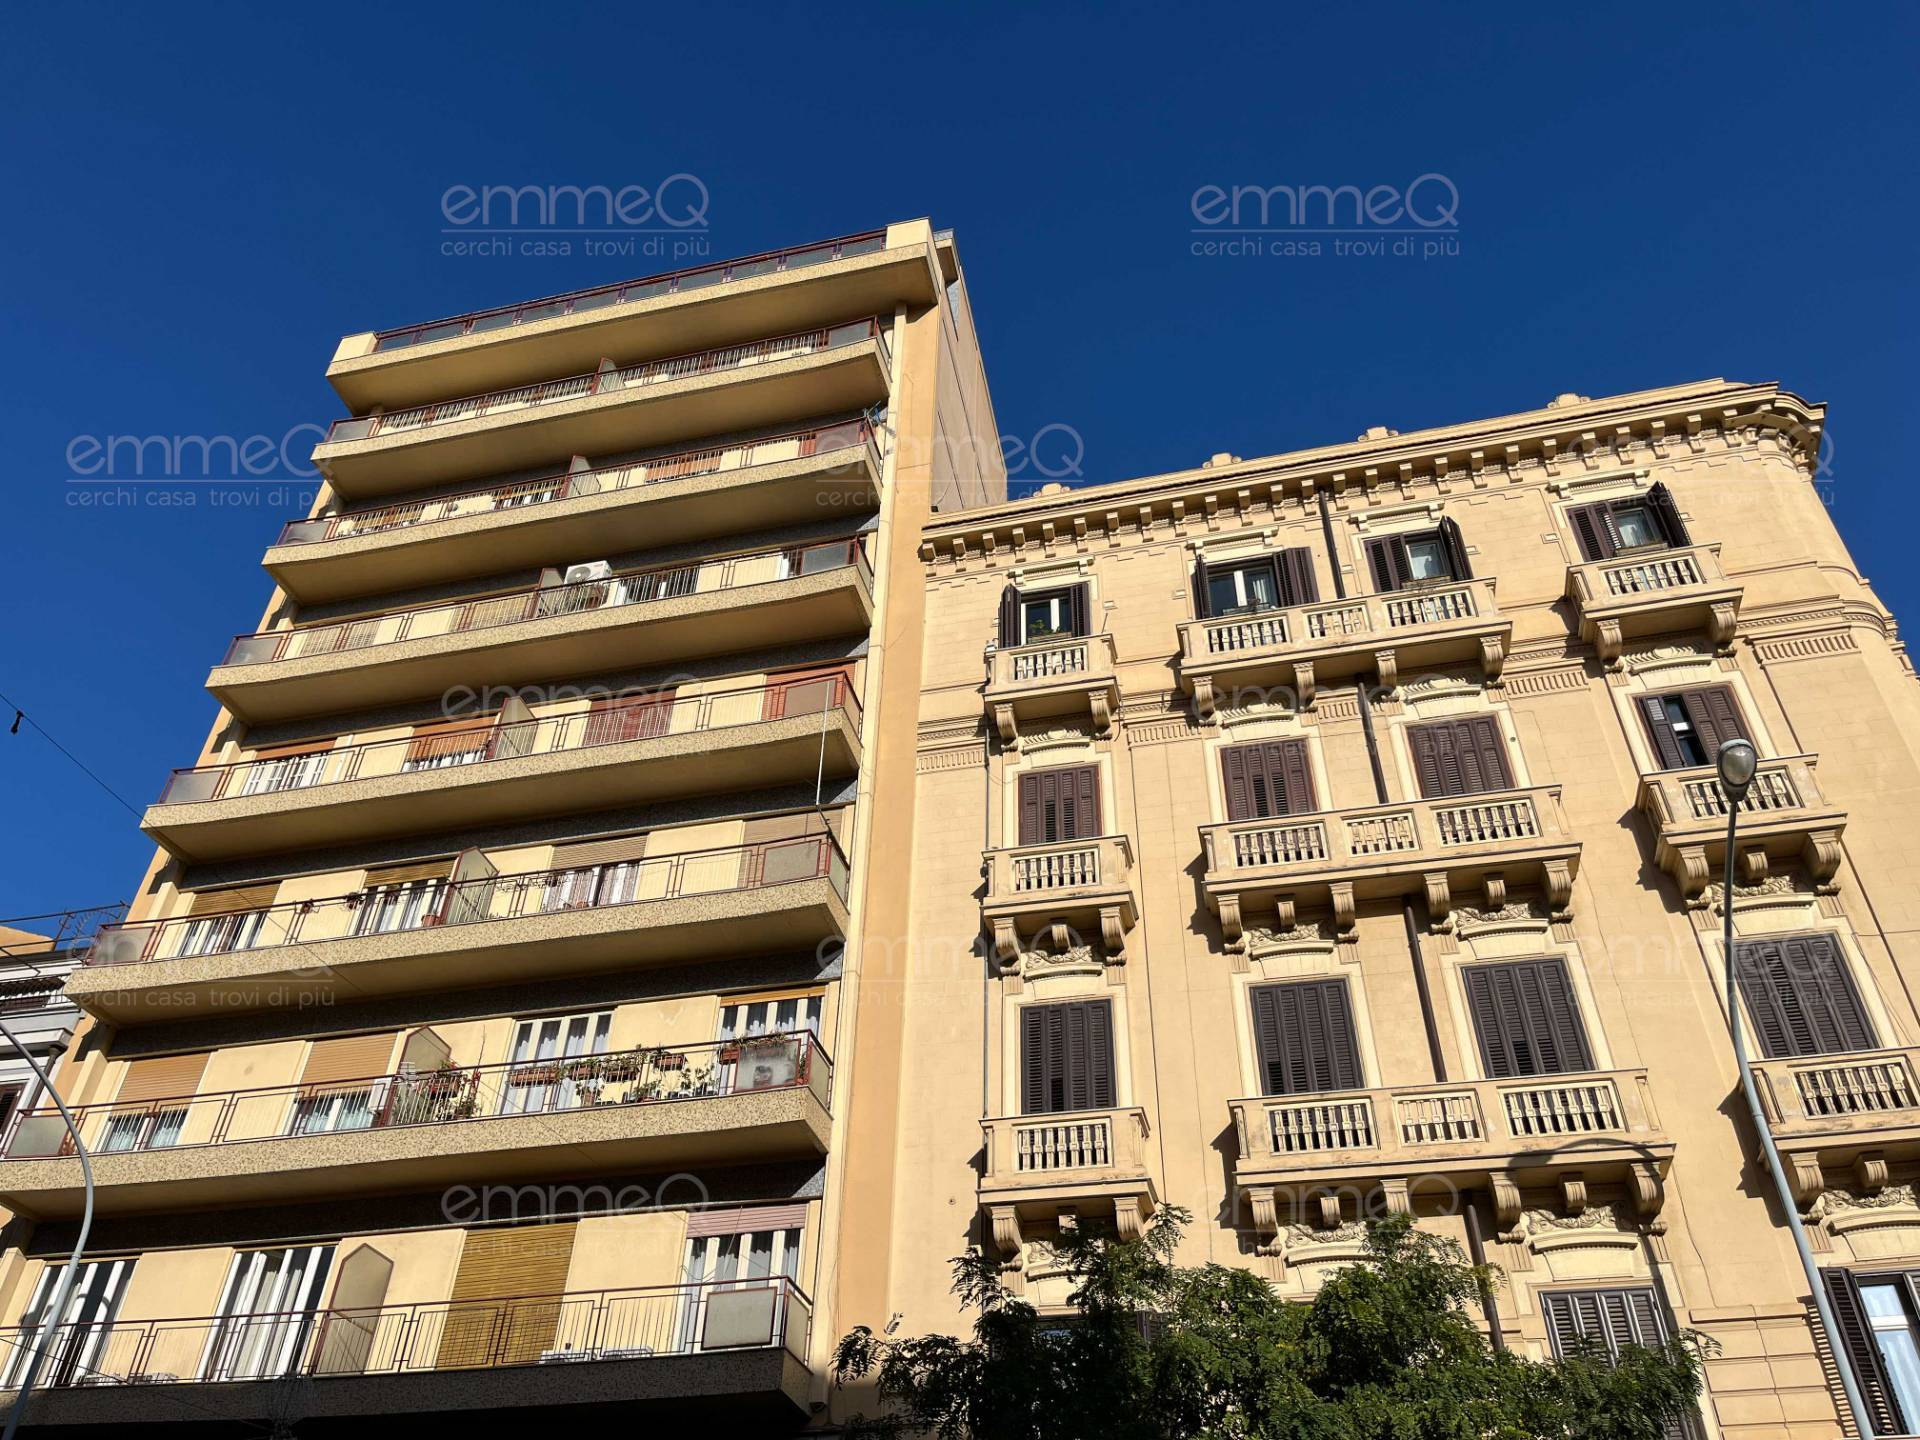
(1736, 764)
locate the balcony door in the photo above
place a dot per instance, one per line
(1272, 777)
(221, 921)
(773, 1062)
(401, 897)
(1303, 1035)
(1606, 528)
(539, 1078)
(80, 1344)
(1066, 1057)
(1526, 1019)
(731, 1275)
(1688, 727)
(1059, 805)
(1467, 756)
(1028, 617)
(150, 1110)
(266, 1313)
(1246, 587)
(1418, 558)
(1800, 996)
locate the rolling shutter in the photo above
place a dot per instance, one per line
(1270, 778)
(510, 1282)
(805, 692)
(1526, 1019)
(611, 721)
(1593, 528)
(1387, 559)
(1467, 756)
(347, 1057)
(1059, 804)
(408, 874)
(1303, 1034)
(1801, 999)
(599, 852)
(162, 1078)
(1456, 548)
(1066, 1057)
(234, 901)
(1298, 584)
(1666, 515)
(289, 751)
(1856, 1337)
(453, 737)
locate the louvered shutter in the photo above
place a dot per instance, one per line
(1304, 1038)
(1800, 996)
(1856, 1337)
(1666, 515)
(1077, 610)
(1593, 529)
(1296, 776)
(1032, 828)
(1430, 762)
(1666, 744)
(1612, 1319)
(1009, 618)
(1238, 783)
(1456, 548)
(1387, 558)
(1467, 756)
(1202, 599)
(1526, 1019)
(1298, 584)
(1269, 778)
(1059, 804)
(1067, 1057)
(1716, 715)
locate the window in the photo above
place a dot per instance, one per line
(406, 906)
(1526, 1019)
(1059, 804)
(1269, 778)
(1240, 587)
(1608, 527)
(267, 1308)
(268, 774)
(1688, 727)
(1420, 557)
(219, 934)
(81, 1336)
(1303, 1035)
(1800, 997)
(1467, 756)
(1029, 616)
(733, 1261)
(1610, 1320)
(1066, 1057)
(9, 1103)
(1878, 1317)
(336, 1110)
(153, 1129)
(782, 1015)
(537, 1081)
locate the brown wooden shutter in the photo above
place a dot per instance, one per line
(1202, 598)
(407, 874)
(1856, 1337)
(1238, 783)
(1593, 528)
(1059, 804)
(1666, 744)
(1715, 715)
(805, 692)
(611, 720)
(161, 1078)
(1009, 618)
(233, 901)
(1268, 778)
(1079, 607)
(1387, 558)
(1066, 1057)
(1456, 547)
(1666, 515)
(1298, 584)
(511, 1281)
(1612, 1319)
(1304, 1037)
(1467, 756)
(347, 1057)
(1801, 997)
(1526, 1019)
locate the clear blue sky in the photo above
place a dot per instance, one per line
(201, 200)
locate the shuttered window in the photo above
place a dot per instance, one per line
(1270, 778)
(1800, 996)
(1230, 587)
(1029, 616)
(634, 717)
(1607, 527)
(347, 1057)
(805, 692)
(1066, 1057)
(1526, 1019)
(1059, 804)
(1397, 561)
(1303, 1035)
(506, 1296)
(162, 1078)
(1688, 727)
(233, 902)
(449, 742)
(1467, 756)
(1612, 1320)
(1875, 1315)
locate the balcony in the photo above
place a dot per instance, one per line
(1302, 645)
(749, 738)
(774, 896)
(1505, 1136)
(674, 1107)
(629, 620)
(676, 499)
(1058, 893)
(608, 411)
(1848, 1114)
(728, 1351)
(694, 308)
(1430, 847)
(1041, 1167)
(1783, 816)
(1065, 676)
(1657, 592)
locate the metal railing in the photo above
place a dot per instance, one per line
(1508, 817)
(450, 1094)
(731, 572)
(673, 282)
(58, 930)
(512, 497)
(637, 1323)
(645, 717)
(428, 904)
(606, 381)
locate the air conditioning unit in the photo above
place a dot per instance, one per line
(591, 570)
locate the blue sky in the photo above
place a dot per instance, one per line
(203, 199)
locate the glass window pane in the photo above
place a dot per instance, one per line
(1635, 526)
(1426, 560)
(1894, 1335)
(1258, 585)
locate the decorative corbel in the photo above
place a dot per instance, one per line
(1266, 1217)
(1005, 1223)
(1496, 887)
(1870, 1170)
(1113, 935)
(1493, 657)
(1722, 621)
(1506, 1204)
(1751, 865)
(1003, 722)
(1439, 901)
(1203, 699)
(1102, 714)
(1303, 683)
(1573, 1193)
(1287, 912)
(1006, 943)
(1387, 662)
(1231, 930)
(1398, 1194)
(1559, 880)
(1608, 642)
(1340, 895)
(1689, 866)
(1807, 1180)
(1127, 1220)
(1821, 851)
(1326, 1210)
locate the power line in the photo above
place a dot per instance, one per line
(19, 715)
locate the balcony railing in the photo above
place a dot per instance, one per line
(1062, 675)
(1380, 831)
(1042, 871)
(675, 282)
(1850, 1090)
(59, 930)
(450, 1094)
(1335, 622)
(520, 495)
(423, 905)
(1684, 796)
(515, 607)
(1025, 1147)
(563, 1327)
(605, 382)
(648, 717)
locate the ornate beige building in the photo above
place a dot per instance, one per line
(682, 856)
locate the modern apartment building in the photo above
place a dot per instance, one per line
(479, 1048)
(683, 856)
(1342, 833)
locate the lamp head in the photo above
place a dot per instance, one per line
(1736, 763)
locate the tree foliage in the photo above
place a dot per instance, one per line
(1387, 1350)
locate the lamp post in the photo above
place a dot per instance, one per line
(55, 1315)
(1736, 764)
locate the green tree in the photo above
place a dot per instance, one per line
(1387, 1350)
